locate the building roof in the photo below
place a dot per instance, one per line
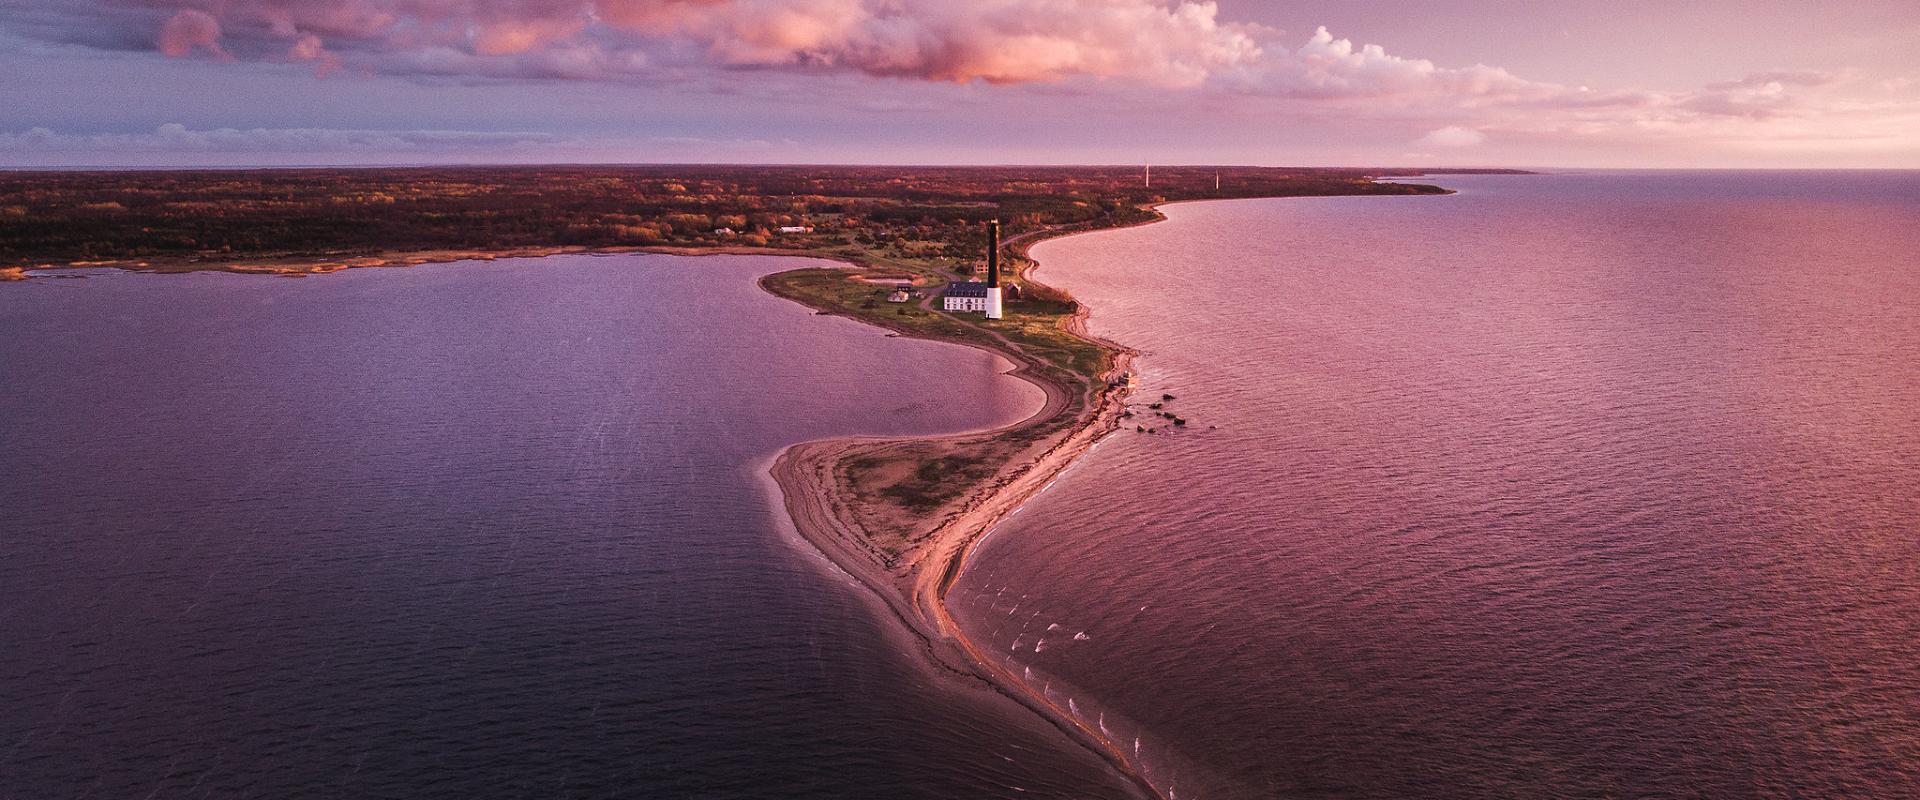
(966, 289)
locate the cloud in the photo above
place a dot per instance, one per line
(1452, 136)
(309, 48)
(1326, 67)
(177, 138)
(1182, 44)
(187, 31)
(1171, 55)
(177, 144)
(996, 41)
(1783, 78)
(506, 37)
(1112, 43)
(1153, 42)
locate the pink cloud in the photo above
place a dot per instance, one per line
(999, 41)
(189, 30)
(504, 37)
(309, 48)
(1129, 51)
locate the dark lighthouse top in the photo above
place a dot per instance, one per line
(993, 254)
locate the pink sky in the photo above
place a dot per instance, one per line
(1420, 82)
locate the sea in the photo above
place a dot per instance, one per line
(1572, 485)
(475, 530)
(1563, 486)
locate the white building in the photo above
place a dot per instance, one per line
(796, 229)
(965, 296)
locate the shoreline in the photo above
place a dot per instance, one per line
(818, 503)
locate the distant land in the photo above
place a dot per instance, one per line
(321, 219)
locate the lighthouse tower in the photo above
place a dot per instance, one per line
(993, 269)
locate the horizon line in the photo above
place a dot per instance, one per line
(1383, 169)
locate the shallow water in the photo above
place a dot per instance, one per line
(471, 530)
(1564, 486)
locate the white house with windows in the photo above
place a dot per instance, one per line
(965, 296)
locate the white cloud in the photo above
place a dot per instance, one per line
(1452, 136)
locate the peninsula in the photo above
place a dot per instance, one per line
(900, 515)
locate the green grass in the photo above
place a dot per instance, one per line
(939, 481)
(831, 290)
(1035, 325)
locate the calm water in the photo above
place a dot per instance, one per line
(480, 530)
(1566, 486)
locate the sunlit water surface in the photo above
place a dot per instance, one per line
(1565, 486)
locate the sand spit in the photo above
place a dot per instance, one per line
(827, 512)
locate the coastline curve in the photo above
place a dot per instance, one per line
(816, 499)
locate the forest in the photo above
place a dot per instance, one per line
(916, 213)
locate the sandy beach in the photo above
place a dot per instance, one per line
(831, 514)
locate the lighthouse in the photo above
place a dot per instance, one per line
(993, 269)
